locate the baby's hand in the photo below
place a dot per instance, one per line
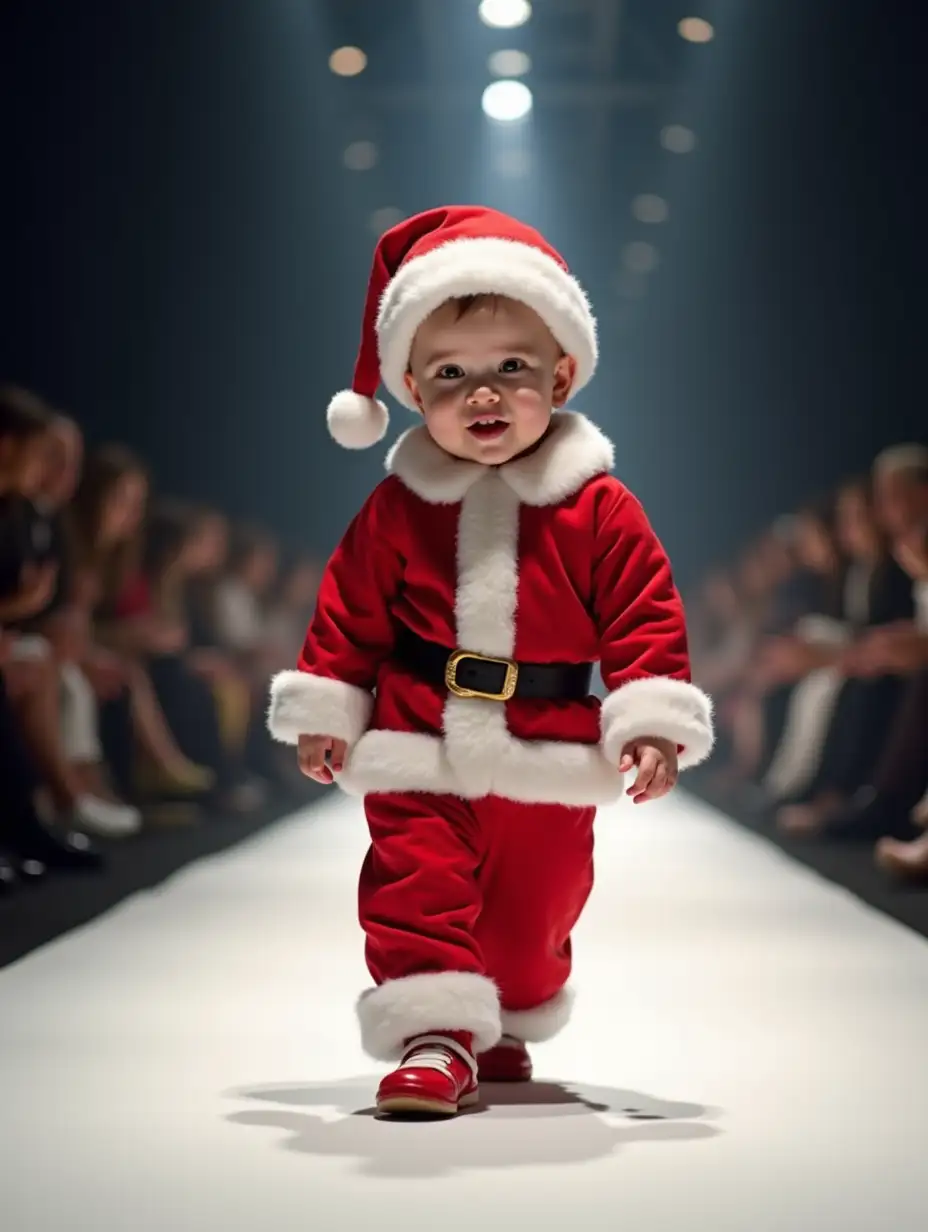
(656, 760)
(311, 754)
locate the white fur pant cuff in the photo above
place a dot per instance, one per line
(417, 1004)
(541, 1023)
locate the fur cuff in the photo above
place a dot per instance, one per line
(542, 1023)
(306, 705)
(659, 706)
(448, 1000)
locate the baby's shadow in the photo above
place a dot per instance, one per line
(560, 1123)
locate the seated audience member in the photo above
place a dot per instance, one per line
(108, 533)
(882, 666)
(240, 602)
(154, 597)
(743, 609)
(903, 772)
(44, 689)
(873, 590)
(27, 585)
(807, 608)
(64, 627)
(202, 549)
(235, 609)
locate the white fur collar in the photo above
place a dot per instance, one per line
(574, 451)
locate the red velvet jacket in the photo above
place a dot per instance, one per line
(545, 559)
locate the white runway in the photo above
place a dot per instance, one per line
(749, 1053)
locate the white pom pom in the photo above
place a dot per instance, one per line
(356, 422)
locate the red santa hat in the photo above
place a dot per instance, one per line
(443, 254)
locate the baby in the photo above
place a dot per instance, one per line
(446, 674)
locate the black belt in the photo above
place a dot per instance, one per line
(468, 674)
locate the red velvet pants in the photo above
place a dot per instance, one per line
(489, 887)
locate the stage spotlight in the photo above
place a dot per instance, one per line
(505, 14)
(348, 61)
(696, 30)
(507, 101)
(678, 139)
(509, 63)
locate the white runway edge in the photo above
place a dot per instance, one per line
(749, 1052)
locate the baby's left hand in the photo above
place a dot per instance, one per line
(656, 760)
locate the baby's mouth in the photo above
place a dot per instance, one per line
(488, 428)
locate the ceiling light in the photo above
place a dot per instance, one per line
(648, 207)
(695, 30)
(507, 101)
(509, 63)
(360, 156)
(348, 61)
(505, 14)
(678, 139)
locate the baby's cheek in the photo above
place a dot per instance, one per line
(441, 401)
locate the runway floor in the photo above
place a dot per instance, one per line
(749, 1052)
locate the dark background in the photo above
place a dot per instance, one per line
(184, 254)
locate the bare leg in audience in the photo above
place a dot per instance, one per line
(156, 739)
(34, 694)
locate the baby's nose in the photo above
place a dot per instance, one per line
(483, 396)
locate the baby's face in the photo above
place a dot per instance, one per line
(486, 382)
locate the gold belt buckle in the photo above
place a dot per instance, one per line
(509, 684)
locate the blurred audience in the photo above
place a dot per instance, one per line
(135, 647)
(815, 646)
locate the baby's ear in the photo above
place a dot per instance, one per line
(413, 387)
(565, 374)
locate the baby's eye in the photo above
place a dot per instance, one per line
(449, 372)
(511, 365)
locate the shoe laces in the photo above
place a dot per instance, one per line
(437, 1052)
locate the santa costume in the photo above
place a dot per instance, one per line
(457, 626)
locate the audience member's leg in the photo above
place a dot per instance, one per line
(81, 746)
(857, 761)
(855, 741)
(192, 713)
(901, 773)
(34, 693)
(21, 830)
(117, 738)
(157, 740)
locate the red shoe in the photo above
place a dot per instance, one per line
(508, 1061)
(438, 1075)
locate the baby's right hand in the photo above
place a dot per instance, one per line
(311, 754)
